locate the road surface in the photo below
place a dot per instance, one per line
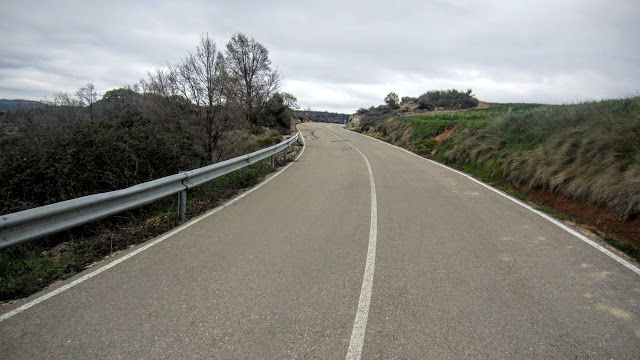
(357, 250)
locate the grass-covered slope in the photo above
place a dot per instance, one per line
(588, 151)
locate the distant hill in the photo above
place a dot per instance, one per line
(13, 105)
(321, 116)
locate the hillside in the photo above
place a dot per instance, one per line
(13, 105)
(320, 116)
(578, 157)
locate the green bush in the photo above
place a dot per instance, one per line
(448, 99)
(267, 139)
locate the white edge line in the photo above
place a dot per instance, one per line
(571, 231)
(356, 343)
(144, 247)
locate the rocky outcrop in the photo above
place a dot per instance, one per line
(355, 122)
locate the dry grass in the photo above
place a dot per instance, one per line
(588, 151)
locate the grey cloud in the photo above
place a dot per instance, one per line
(337, 55)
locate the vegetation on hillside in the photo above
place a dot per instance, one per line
(207, 108)
(441, 100)
(13, 105)
(417, 132)
(588, 151)
(447, 99)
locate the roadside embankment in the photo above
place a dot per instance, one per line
(581, 159)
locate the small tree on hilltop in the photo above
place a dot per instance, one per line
(392, 100)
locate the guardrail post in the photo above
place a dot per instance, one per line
(245, 173)
(285, 153)
(182, 205)
(273, 162)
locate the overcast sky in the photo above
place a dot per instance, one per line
(336, 55)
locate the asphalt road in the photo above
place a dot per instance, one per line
(358, 249)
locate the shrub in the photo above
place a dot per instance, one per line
(448, 99)
(89, 158)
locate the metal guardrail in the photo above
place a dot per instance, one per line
(33, 223)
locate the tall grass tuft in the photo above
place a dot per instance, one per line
(588, 151)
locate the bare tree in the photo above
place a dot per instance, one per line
(201, 78)
(290, 101)
(253, 80)
(162, 82)
(165, 83)
(88, 96)
(61, 98)
(141, 87)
